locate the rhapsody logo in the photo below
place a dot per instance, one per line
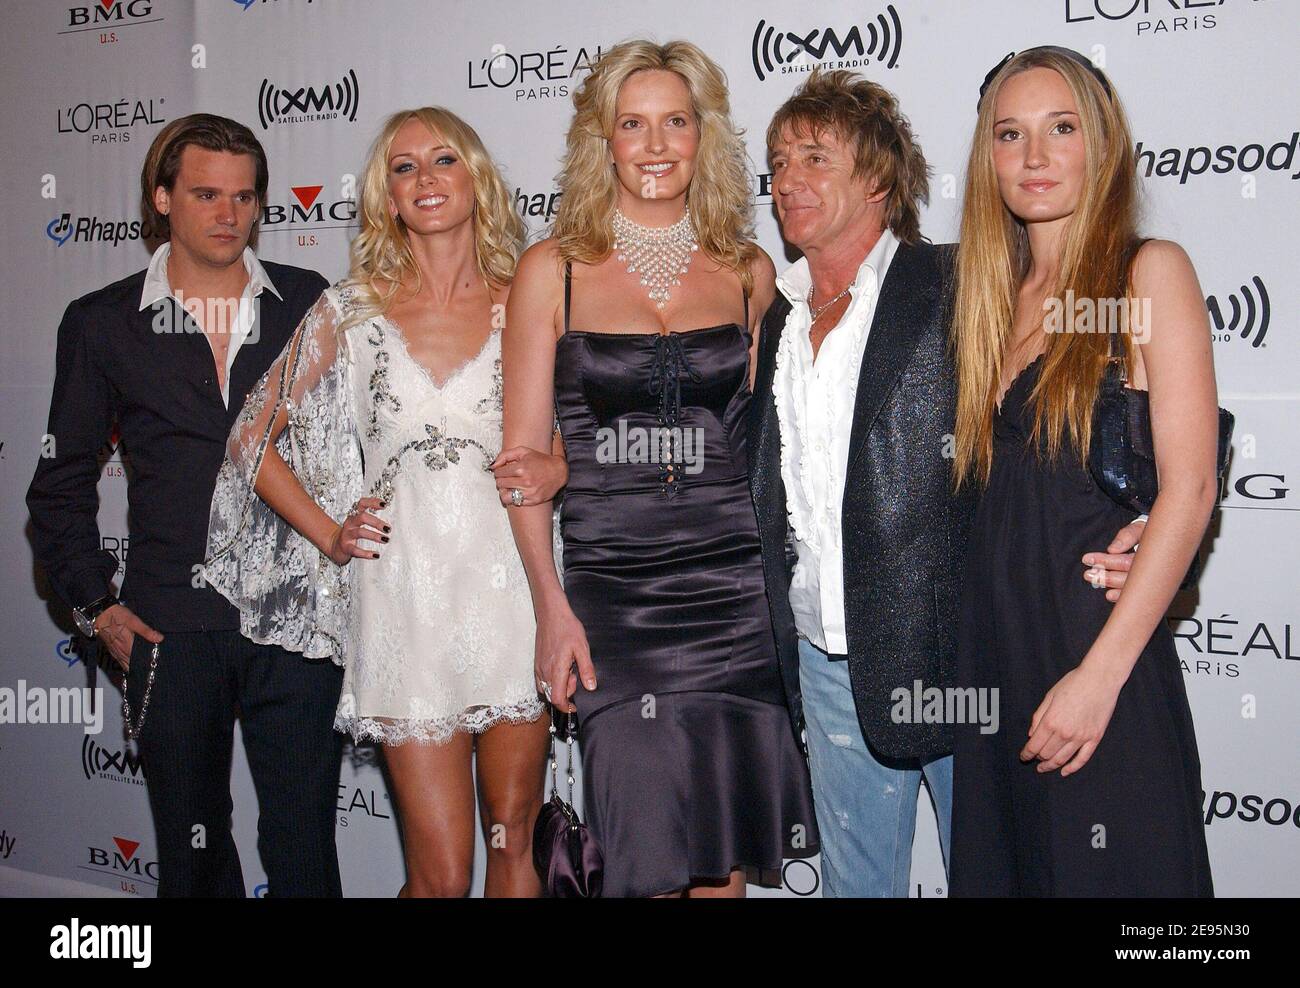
(123, 765)
(1249, 809)
(792, 51)
(1249, 314)
(66, 653)
(539, 204)
(245, 4)
(1184, 163)
(307, 104)
(6, 845)
(308, 212)
(91, 229)
(530, 74)
(123, 942)
(110, 123)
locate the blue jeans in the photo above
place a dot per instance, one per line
(866, 809)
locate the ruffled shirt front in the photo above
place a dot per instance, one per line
(815, 404)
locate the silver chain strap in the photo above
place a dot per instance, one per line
(568, 771)
(133, 730)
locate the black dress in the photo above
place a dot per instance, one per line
(1129, 822)
(690, 765)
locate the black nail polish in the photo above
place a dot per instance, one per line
(388, 528)
(383, 538)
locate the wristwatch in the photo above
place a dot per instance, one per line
(86, 616)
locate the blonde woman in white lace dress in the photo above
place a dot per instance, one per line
(391, 394)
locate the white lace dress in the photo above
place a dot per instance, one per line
(435, 636)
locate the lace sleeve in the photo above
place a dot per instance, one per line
(287, 592)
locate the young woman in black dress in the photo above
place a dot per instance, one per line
(1091, 786)
(691, 770)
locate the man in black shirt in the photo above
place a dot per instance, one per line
(170, 353)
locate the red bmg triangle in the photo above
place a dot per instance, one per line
(107, 4)
(306, 194)
(127, 847)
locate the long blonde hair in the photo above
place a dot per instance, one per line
(381, 252)
(993, 257)
(721, 203)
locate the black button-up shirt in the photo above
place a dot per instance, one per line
(162, 390)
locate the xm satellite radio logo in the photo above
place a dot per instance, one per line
(92, 229)
(1248, 313)
(781, 52)
(122, 861)
(308, 211)
(120, 765)
(306, 104)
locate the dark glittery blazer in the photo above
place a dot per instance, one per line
(904, 532)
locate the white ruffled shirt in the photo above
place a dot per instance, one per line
(814, 405)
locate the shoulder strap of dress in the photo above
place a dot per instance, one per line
(745, 296)
(568, 291)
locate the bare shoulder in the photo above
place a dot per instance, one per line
(761, 266)
(539, 264)
(764, 274)
(1161, 266)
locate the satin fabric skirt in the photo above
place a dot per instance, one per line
(690, 764)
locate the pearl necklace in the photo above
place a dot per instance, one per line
(660, 254)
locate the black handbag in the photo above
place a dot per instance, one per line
(1122, 457)
(565, 852)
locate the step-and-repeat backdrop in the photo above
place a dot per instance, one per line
(87, 84)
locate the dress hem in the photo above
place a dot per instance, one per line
(439, 730)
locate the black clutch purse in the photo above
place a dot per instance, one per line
(564, 851)
(1122, 457)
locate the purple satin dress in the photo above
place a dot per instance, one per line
(690, 765)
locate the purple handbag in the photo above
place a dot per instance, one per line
(564, 851)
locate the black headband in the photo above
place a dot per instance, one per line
(1069, 53)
